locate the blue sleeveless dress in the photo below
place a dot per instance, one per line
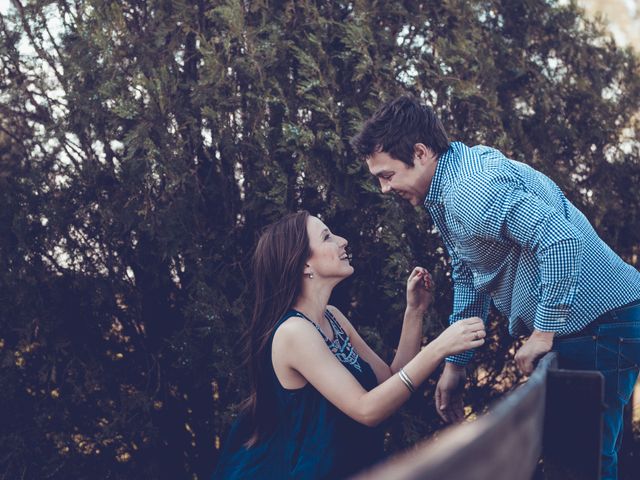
(313, 440)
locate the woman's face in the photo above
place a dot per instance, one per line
(328, 258)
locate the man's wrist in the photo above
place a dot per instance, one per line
(455, 368)
(546, 337)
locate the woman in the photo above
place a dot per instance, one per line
(318, 391)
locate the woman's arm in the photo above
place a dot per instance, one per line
(419, 298)
(298, 346)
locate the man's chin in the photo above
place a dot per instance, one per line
(405, 198)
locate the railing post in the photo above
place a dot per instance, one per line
(573, 424)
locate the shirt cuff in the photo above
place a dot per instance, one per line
(551, 319)
(461, 359)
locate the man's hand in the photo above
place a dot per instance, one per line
(535, 347)
(449, 393)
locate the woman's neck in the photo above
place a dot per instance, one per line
(313, 303)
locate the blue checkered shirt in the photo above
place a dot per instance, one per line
(514, 238)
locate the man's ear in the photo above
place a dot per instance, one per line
(422, 154)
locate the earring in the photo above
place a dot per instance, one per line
(310, 275)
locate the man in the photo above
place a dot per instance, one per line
(513, 239)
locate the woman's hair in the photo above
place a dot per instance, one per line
(278, 267)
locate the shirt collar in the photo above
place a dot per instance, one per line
(434, 196)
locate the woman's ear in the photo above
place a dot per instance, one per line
(307, 272)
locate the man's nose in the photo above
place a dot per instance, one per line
(384, 186)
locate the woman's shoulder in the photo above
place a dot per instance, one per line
(293, 327)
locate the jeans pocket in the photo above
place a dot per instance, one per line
(578, 353)
(629, 349)
(629, 365)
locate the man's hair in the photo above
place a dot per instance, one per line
(397, 126)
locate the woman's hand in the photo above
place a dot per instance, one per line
(461, 336)
(420, 289)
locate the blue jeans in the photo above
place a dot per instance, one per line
(611, 344)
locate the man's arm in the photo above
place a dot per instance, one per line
(466, 303)
(504, 209)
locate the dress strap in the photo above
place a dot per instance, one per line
(335, 325)
(302, 315)
(342, 347)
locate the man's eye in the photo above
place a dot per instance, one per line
(327, 236)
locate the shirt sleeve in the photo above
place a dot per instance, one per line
(502, 209)
(467, 302)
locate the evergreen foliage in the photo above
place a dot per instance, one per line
(143, 146)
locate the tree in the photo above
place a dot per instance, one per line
(143, 145)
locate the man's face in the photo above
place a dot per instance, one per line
(395, 176)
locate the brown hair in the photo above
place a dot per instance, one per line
(397, 126)
(278, 267)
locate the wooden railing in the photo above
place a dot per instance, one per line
(553, 421)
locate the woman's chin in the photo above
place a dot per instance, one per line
(345, 273)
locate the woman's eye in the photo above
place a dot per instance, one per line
(327, 237)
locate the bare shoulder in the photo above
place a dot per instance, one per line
(292, 330)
